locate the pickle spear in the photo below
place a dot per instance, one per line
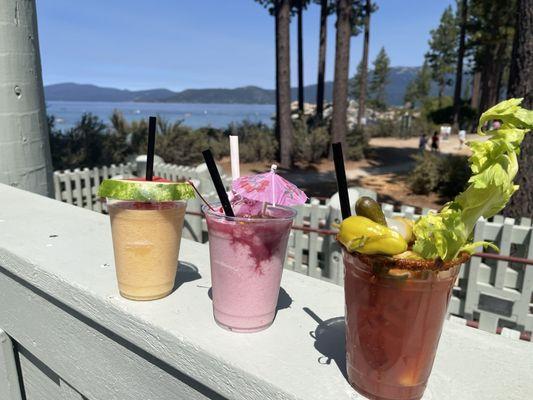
(369, 208)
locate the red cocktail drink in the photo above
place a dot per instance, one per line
(394, 315)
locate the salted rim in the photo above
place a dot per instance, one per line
(409, 264)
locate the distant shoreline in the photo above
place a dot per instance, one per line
(67, 113)
(158, 102)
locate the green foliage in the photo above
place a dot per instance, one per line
(257, 141)
(424, 178)
(446, 175)
(379, 80)
(81, 146)
(383, 128)
(431, 104)
(490, 28)
(310, 141)
(418, 88)
(444, 115)
(421, 125)
(357, 140)
(442, 54)
(355, 82)
(92, 143)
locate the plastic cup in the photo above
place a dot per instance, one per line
(146, 242)
(394, 316)
(247, 257)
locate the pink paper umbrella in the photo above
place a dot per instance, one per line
(269, 188)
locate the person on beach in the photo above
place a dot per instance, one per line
(422, 142)
(435, 142)
(462, 138)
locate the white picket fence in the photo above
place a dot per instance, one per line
(495, 293)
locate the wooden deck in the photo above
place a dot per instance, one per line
(74, 337)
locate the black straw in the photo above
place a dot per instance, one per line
(151, 149)
(217, 181)
(342, 185)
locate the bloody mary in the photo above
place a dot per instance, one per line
(394, 315)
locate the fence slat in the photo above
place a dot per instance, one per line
(68, 188)
(78, 195)
(87, 189)
(313, 267)
(57, 186)
(94, 190)
(298, 250)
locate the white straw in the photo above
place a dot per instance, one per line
(273, 169)
(234, 156)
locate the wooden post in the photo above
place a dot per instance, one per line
(25, 160)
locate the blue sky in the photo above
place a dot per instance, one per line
(211, 43)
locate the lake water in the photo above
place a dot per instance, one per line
(67, 113)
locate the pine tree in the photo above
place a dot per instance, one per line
(362, 69)
(462, 12)
(299, 7)
(418, 88)
(355, 82)
(490, 31)
(326, 8)
(379, 80)
(344, 27)
(281, 10)
(442, 53)
(521, 85)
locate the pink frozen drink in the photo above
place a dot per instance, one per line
(247, 256)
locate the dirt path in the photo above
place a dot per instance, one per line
(384, 170)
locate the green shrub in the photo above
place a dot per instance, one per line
(310, 142)
(182, 146)
(84, 145)
(357, 143)
(256, 141)
(424, 178)
(444, 115)
(446, 175)
(383, 128)
(454, 175)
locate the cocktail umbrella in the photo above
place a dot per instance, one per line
(269, 187)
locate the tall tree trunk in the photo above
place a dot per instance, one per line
(283, 16)
(440, 94)
(24, 143)
(322, 59)
(340, 84)
(300, 59)
(490, 77)
(364, 65)
(476, 90)
(521, 85)
(459, 69)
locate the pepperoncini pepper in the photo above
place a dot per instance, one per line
(365, 236)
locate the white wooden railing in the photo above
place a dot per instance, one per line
(65, 332)
(494, 293)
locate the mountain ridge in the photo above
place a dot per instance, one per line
(399, 78)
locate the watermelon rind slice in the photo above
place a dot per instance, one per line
(123, 189)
